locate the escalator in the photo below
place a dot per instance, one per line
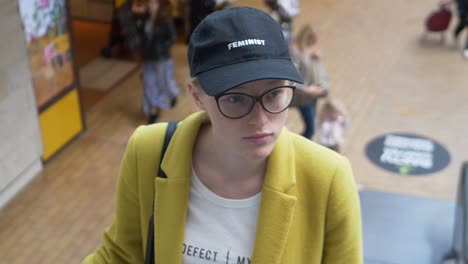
(459, 251)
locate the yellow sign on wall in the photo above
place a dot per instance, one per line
(60, 123)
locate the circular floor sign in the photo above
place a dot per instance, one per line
(407, 154)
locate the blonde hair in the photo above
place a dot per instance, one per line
(330, 106)
(306, 37)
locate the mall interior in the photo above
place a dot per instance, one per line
(67, 110)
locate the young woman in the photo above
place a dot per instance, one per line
(240, 187)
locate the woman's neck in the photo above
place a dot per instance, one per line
(229, 176)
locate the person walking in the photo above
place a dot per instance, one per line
(306, 56)
(160, 89)
(462, 8)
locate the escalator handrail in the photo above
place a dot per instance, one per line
(459, 251)
(463, 196)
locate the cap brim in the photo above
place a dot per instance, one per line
(221, 79)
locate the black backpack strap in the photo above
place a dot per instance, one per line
(171, 127)
(149, 258)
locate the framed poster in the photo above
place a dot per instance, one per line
(48, 37)
(49, 48)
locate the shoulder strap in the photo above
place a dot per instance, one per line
(149, 258)
(171, 127)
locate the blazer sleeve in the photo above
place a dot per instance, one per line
(122, 240)
(343, 234)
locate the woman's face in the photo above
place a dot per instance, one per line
(252, 136)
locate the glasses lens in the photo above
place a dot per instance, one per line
(235, 105)
(277, 99)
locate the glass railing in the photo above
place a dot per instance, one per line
(459, 252)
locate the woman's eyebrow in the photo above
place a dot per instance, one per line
(270, 84)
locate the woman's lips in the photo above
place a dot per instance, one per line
(259, 138)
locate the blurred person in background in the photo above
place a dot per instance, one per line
(126, 29)
(306, 57)
(199, 9)
(284, 12)
(462, 8)
(160, 89)
(333, 120)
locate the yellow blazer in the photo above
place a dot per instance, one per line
(309, 211)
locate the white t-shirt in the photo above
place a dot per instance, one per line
(218, 230)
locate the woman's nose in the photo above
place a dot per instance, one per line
(258, 114)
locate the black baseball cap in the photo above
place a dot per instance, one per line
(238, 45)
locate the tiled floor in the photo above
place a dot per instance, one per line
(389, 80)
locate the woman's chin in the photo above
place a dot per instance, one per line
(259, 153)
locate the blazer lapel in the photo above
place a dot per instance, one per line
(172, 193)
(276, 215)
(169, 215)
(277, 205)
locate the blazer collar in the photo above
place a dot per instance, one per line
(177, 162)
(280, 174)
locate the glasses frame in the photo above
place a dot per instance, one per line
(255, 99)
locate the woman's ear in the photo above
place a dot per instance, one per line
(196, 94)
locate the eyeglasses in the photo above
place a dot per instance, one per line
(237, 105)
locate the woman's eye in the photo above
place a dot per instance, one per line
(233, 99)
(275, 93)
